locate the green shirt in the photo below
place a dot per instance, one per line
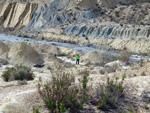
(78, 57)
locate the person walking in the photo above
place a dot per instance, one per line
(77, 59)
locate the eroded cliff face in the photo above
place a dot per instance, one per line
(36, 15)
(50, 13)
(113, 3)
(15, 14)
(109, 30)
(94, 19)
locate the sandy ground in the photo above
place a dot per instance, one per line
(27, 96)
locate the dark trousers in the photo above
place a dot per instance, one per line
(77, 61)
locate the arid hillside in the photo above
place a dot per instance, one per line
(41, 42)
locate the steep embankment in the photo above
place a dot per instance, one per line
(37, 15)
(15, 14)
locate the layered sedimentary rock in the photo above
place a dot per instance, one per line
(37, 15)
(113, 3)
(79, 18)
(109, 30)
(15, 14)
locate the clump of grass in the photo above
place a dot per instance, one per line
(62, 94)
(17, 73)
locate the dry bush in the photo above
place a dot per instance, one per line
(102, 71)
(17, 73)
(84, 72)
(110, 69)
(3, 62)
(125, 57)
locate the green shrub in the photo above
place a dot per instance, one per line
(109, 94)
(36, 109)
(17, 73)
(62, 94)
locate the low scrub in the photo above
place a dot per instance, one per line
(62, 94)
(109, 94)
(125, 57)
(3, 62)
(17, 73)
(110, 69)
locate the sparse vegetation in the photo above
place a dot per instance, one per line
(109, 93)
(141, 62)
(36, 109)
(84, 72)
(3, 62)
(62, 94)
(110, 69)
(17, 73)
(124, 56)
(55, 55)
(101, 71)
(143, 73)
(62, 54)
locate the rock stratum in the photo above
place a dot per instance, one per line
(123, 21)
